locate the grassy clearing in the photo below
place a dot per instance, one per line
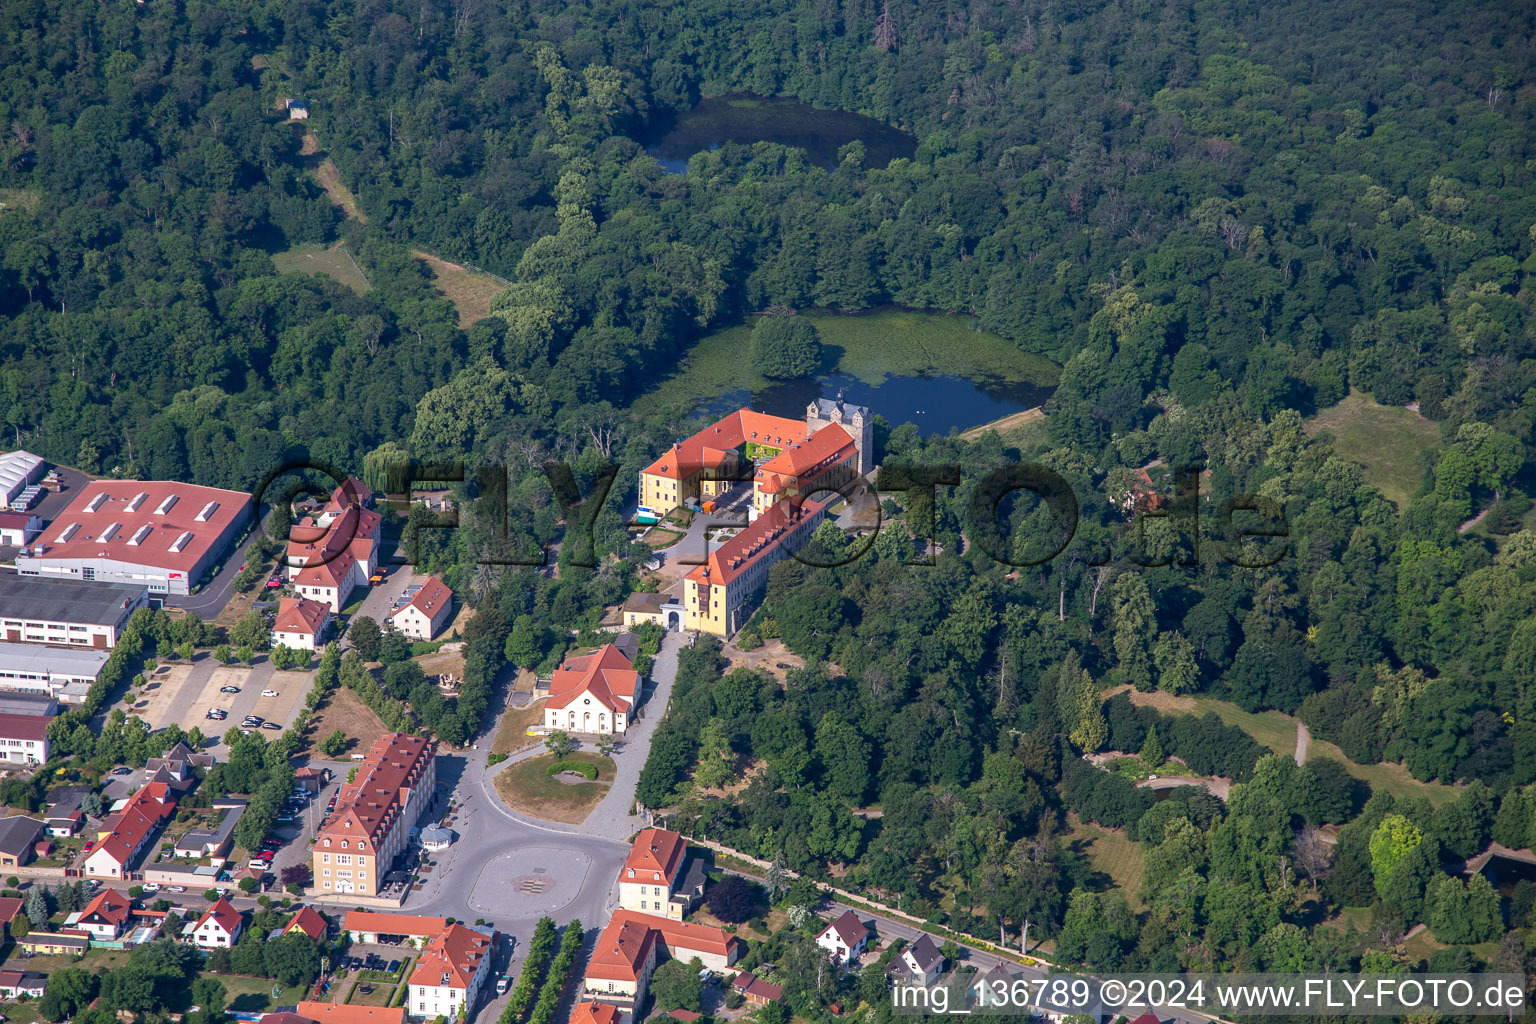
(659, 538)
(19, 199)
(1388, 441)
(526, 787)
(868, 347)
(470, 291)
(344, 710)
(253, 995)
(1113, 853)
(512, 734)
(1277, 731)
(335, 263)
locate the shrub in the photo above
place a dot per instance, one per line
(588, 771)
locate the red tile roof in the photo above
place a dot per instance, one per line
(308, 921)
(707, 448)
(369, 805)
(595, 1013)
(755, 541)
(330, 574)
(299, 615)
(110, 905)
(131, 504)
(342, 1013)
(622, 949)
(451, 958)
(223, 914)
(656, 851)
(829, 445)
(392, 924)
(143, 813)
(430, 600)
(607, 675)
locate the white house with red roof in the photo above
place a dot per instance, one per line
(594, 693)
(128, 832)
(301, 623)
(423, 610)
(219, 927)
(449, 974)
(657, 876)
(160, 534)
(845, 938)
(105, 917)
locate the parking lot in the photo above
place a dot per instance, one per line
(184, 693)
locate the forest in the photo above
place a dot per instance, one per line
(1221, 220)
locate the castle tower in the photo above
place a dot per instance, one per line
(856, 419)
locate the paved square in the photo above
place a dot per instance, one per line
(529, 882)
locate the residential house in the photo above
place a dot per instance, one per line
(658, 876)
(69, 943)
(845, 938)
(424, 610)
(220, 926)
(594, 693)
(920, 962)
(755, 990)
(18, 528)
(308, 921)
(129, 831)
(450, 973)
(370, 825)
(10, 906)
(65, 818)
(106, 917)
(301, 624)
(344, 1013)
(23, 739)
(369, 926)
(631, 946)
(16, 984)
(217, 841)
(18, 839)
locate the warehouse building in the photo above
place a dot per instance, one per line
(159, 534)
(18, 471)
(64, 675)
(66, 613)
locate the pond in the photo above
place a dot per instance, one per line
(934, 403)
(742, 117)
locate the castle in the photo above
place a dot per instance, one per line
(787, 462)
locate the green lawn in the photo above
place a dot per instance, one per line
(334, 263)
(867, 347)
(1389, 441)
(1113, 853)
(253, 995)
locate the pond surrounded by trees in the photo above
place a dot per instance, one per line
(745, 118)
